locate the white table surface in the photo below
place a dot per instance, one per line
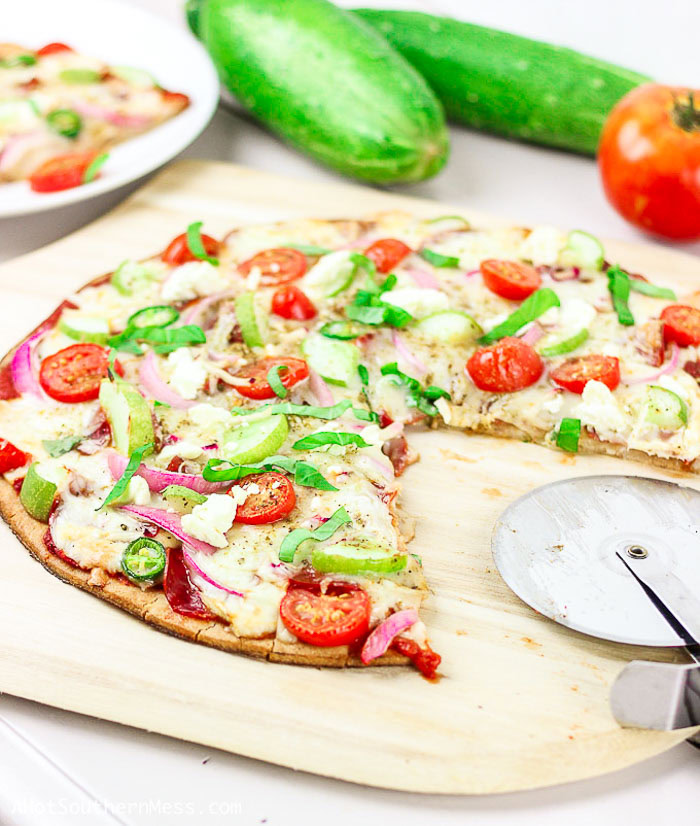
(57, 767)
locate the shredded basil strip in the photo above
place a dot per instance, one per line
(165, 339)
(569, 434)
(438, 260)
(644, 287)
(533, 307)
(196, 245)
(360, 260)
(308, 249)
(305, 473)
(293, 539)
(447, 218)
(57, 447)
(123, 481)
(156, 403)
(363, 373)
(378, 312)
(93, 169)
(18, 60)
(275, 382)
(565, 346)
(619, 286)
(329, 437)
(343, 330)
(418, 397)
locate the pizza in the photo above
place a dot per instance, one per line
(60, 109)
(212, 438)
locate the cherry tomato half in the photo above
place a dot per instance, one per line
(575, 373)
(53, 48)
(11, 457)
(649, 160)
(277, 266)
(176, 99)
(510, 279)
(61, 172)
(387, 253)
(275, 499)
(74, 373)
(682, 325)
(256, 373)
(178, 251)
(290, 302)
(505, 367)
(326, 620)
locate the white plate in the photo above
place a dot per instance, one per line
(125, 35)
(556, 549)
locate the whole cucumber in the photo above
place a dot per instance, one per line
(507, 84)
(327, 83)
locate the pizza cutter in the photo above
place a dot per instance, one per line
(616, 557)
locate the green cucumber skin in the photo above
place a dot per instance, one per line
(329, 84)
(507, 84)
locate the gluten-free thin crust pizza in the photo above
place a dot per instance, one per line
(211, 438)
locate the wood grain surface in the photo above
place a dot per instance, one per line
(522, 701)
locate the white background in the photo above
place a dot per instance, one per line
(75, 764)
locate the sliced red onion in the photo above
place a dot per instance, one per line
(405, 354)
(385, 468)
(561, 273)
(472, 273)
(422, 278)
(320, 389)
(669, 367)
(159, 480)
(381, 638)
(92, 110)
(22, 368)
(192, 313)
(18, 145)
(199, 572)
(156, 387)
(169, 522)
(533, 334)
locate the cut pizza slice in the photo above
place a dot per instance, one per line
(59, 109)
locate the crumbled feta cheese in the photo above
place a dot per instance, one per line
(444, 409)
(210, 520)
(489, 323)
(193, 279)
(187, 376)
(543, 245)
(576, 314)
(333, 268)
(554, 404)
(137, 491)
(419, 302)
(599, 409)
(209, 418)
(181, 448)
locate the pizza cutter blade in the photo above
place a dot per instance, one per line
(617, 557)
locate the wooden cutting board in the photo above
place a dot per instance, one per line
(522, 702)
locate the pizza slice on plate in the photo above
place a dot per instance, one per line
(59, 109)
(211, 438)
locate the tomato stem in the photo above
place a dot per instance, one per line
(685, 114)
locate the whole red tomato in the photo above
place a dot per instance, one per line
(649, 158)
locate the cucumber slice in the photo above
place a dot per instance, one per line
(131, 276)
(420, 302)
(363, 557)
(79, 76)
(84, 327)
(128, 414)
(251, 319)
(666, 409)
(331, 275)
(255, 441)
(182, 499)
(335, 360)
(158, 316)
(37, 492)
(582, 250)
(139, 78)
(449, 327)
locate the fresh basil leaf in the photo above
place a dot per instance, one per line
(568, 434)
(57, 447)
(365, 415)
(366, 315)
(438, 260)
(196, 245)
(533, 307)
(134, 461)
(165, 339)
(305, 474)
(619, 286)
(275, 382)
(363, 373)
(309, 476)
(290, 409)
(156, 403)
(293, 539)
(93, 169)
(392, 369)
(432, 392)
(329, 437)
